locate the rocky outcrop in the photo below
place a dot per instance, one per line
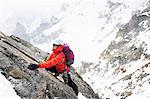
(127, 47)
(16, 55)
(125, 62)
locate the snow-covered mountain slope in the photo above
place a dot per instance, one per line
(7, 91)
(88, 26)
(110, 39)
(123, 68)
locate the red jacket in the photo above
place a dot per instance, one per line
(57, 58)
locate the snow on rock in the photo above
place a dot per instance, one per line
(7, 91)
(115, 31)
(80, 96)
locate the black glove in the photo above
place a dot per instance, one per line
(33, 66)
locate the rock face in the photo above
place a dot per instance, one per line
(128, 46)
(123, 68)
(16, 55)
(126, 53)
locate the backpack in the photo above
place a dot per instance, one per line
(69, 55)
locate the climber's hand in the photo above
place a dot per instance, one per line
(33, 66)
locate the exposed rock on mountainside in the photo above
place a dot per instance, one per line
(127, 46)
(123, 68)
(128, 58)
(16, 55)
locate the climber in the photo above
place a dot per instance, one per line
(57, 63)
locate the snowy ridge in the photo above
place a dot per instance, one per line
(122, 81)
(123, 68)
(101, 29)
(83, 24)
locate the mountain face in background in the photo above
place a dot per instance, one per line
(110, 39)
(86, 25)
(123, 68)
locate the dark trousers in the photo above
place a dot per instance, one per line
(53, 70)
(69, 81)
(66, 77)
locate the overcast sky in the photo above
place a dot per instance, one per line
(14, 6)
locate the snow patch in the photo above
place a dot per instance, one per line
(7, 91)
